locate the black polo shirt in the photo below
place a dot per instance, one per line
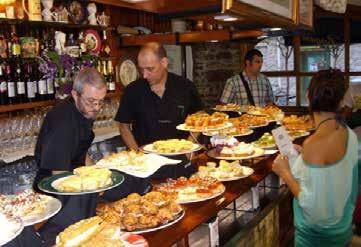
(154, 118)
(64, 139)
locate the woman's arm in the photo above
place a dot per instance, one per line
(282, 169)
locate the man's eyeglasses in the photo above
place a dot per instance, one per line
(92, 102)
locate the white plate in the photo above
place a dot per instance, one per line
(184, 128)
(249, 172)
(306, 133)
(52, 208)
(19, 226)
(237, 135)
(160, 227)
(150, 149)
(128, 72)
(153, 163)
(257, 114)
(257, 152)
(204, 198)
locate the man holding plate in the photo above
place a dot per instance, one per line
(62, 145)
(152, 107)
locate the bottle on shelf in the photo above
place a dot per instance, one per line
(81, 44)
(3, 87)
(15, 44)
(42, 87)
(33, 77)
(12, 95)
(30, 87)
(20, 84)
(110, 78)
(105, 49)
(50, 88)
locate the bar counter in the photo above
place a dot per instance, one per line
(201, 212)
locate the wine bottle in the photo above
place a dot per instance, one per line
(20, 84)
(11, 85)
(105, 50)
(15, 44)
(3, 88)
(50, 88)
(42, 88)
(30, 92)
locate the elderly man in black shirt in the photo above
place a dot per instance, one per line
(152, 107)
(65, 136)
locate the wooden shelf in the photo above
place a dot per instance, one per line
(16, 107)
(189, 37)
(51, 24)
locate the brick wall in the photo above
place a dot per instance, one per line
(213, 64)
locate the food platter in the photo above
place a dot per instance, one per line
(257, 152)
(201, 199)
(10, 228)
(185, 128)
(268, 146)
(50, 184)
(174, 221)
(150, 149)
(226, 171)
(213, 133)
(301, 134)
(30, 207)
(136, 164)
(258, 126)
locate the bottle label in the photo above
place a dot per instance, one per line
(3, 87)
(21, 87)
(16, 49)
(42, 87)
(112, 86)
(50, 86)
(30, 88)
(35, 87)
(11, 89)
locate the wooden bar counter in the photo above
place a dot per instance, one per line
(201, 212)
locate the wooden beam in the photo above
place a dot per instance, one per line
(137, 40)
(247, 34)
(201, 36)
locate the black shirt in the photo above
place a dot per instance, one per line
(64, 139)
(154, 118)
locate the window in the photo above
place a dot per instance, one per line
(276, 55)
(355, 58)
(279, 87)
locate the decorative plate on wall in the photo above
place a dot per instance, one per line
(92, 41)
(128, 72)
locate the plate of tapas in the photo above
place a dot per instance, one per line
(202, 121)
(193, 189)
(226, 171)
(232, 131)
(83, 180)
(172, 147)
(139, 214)
(30, 206)
(10, 228)
(228, 107)
(236, 151)
(266, 141)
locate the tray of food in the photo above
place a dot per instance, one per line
(228, 107)
(202, 121)
(266, 141)
(140, 214)
(134, 163)
(30, 206)
(226, 171)
(83, 180)
(172, 147)
(194, 189)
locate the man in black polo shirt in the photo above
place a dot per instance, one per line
(152, 107)
(65, 136)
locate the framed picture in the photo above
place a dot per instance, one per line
(305, 13)
(277, 13)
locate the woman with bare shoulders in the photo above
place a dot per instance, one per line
(324, 177)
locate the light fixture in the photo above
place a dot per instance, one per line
(225, 18)
(262, 37)
(275, 29)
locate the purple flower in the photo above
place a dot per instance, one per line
(67, 62)
(48, 69)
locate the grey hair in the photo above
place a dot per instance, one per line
(89, 76)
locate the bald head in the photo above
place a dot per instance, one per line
(153, 47)
(153, 63)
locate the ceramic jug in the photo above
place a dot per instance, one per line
(34, 10)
